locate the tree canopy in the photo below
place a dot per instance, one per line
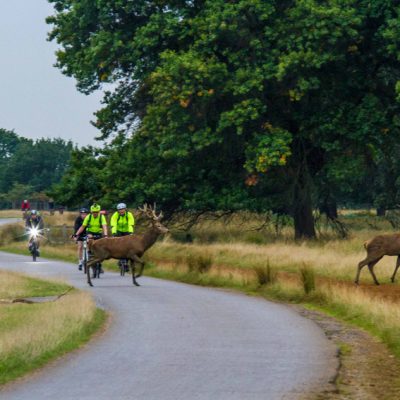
(34, 164)
(241, 104)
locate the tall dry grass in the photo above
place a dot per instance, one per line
(43, 327)
(10, 214)
(337, 260)
(14, 285)
(31, 334)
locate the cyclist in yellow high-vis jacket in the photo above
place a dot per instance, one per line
(95, 225)
(122, 223)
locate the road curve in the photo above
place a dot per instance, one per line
(170, 341)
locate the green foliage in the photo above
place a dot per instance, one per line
(245, 104)
(81, 184)
(28, 166)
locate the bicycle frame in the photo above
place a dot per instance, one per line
(86, 257)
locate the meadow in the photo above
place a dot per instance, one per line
(257, 255)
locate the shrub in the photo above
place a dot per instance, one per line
(11, 233)
(265, 275)
(307, 276)
(199, 263)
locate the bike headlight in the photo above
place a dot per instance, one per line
(33, 232)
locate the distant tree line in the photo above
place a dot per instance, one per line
(233, 105)
(30, 167)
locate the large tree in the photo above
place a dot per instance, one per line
(215, 100)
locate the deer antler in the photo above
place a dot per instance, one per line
(151, 212)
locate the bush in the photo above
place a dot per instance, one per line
(12, 233)
(307, 276)
(199, 263)
(265, 274)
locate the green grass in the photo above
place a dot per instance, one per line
(33, 334)
(16, 364)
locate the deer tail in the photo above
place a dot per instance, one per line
(366, 244)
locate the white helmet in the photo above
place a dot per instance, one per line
(121, 206)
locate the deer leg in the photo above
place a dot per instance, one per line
(88, 275)
(88, 265)
(132, 263)
(370, 262)
(141, 262)
(361, 264)
(136, 259)
(371, 270)
(396, 268)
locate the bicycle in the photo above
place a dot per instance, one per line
(33, 248)
(87, 256)
(34, 234)
(123, 266)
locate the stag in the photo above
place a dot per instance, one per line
(130, 247)
(379, 246)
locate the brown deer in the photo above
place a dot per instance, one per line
(377, 247)
(130, 247)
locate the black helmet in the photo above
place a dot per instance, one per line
(84, 210)
(34, 212)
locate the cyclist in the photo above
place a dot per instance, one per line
(122, 224)
(83, 212)
(34, 221)
(94, 223)
(25, 207)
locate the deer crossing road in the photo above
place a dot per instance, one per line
(171, 341)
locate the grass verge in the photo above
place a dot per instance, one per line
(33, 334)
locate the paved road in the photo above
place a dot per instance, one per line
(171, 341)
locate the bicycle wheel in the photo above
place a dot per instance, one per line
(84, 261)
(121, 267)
(85, 255)
(34, 251)
(96, 270)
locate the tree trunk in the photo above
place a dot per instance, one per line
(329, 208)
(302, 206)
(381, 211)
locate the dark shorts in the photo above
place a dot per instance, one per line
(94, 236)
(122, 233)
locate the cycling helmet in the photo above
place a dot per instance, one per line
(84, 210)
(121, 206)
(95, 208)
(34, 212)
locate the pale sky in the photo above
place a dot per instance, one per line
(36, 100)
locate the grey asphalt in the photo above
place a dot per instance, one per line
(171, 341)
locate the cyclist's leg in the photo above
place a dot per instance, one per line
(79, 243)
(123, 262)
(99, 265)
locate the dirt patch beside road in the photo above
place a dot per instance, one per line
(368, 371)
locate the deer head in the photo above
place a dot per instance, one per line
(150, 212)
